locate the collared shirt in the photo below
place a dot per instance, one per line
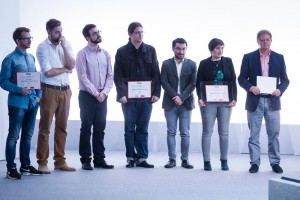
(264, 60)
(94, 70)
(15, 62)
(51, 56)
(178, 67)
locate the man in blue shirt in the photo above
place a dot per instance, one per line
(23, 104)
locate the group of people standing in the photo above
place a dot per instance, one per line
(135, 68)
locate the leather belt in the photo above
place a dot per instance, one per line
(65, 87)
(265, 95)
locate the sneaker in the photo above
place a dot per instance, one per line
(207, 166)
(254, 168)
(224, 165)
(171, 164)
(130, 164)
(25, 171)
(186, 164)
(145, 164)
(13, 174)
(277, 169)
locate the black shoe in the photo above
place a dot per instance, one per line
(254, 168)
(224, 165)
(277, 169)
(207, 166)
(13, 174)
(103, 164)
(144, 164)
(186, 164)
(87, 166)
(130, 164)
(171, 164)
(30, 171)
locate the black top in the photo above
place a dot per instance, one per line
(207, 72)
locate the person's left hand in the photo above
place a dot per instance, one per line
(154, 99)
(276, 93)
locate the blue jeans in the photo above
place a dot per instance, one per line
(209, 113)
(184, 116)
(20, 119)
(272, 120)
(137, 117)
(92, 114)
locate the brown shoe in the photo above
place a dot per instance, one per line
(44, 169)
(65, 167)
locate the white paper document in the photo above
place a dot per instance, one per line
(30, 80)
(217, 93)
(139, 89)
(266, 85)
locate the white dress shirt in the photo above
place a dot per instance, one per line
(50, 56)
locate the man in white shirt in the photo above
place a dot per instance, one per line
(56, 61)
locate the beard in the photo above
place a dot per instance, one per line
(97, 41)
(179, 56)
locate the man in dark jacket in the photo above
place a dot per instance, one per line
(137, 80)
(264, 64)
(178, 79)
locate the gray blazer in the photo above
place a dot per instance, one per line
(169, 81)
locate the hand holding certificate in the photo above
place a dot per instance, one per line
(217, 93)
(139, 89)
(30, 80)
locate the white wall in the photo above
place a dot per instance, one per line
(9, 20)
(234, 21)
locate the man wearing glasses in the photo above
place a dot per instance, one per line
(136, 66)
(56, 61)
(23, 104)
(178, 79)
(95, 77)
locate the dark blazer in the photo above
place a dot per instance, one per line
(206, 73)
(169, 82)
(251, 68)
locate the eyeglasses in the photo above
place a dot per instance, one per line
(98, 33)
(26, 39)
(139, 32)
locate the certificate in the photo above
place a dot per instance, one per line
(217, 93)
(30, 80)
(139, 89)
(266, 85)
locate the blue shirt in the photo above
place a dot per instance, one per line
(13, 63)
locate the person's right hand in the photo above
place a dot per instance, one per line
(255, 90)
(25, 91)
(201, 103)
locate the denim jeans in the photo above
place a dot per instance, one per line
(137, 116)
(209, 113)
(20, 120)
(184, 116)
(92, 114)
(272, 120)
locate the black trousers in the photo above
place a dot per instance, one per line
(93, 120)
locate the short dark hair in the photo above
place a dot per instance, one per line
(86, 29)
(262, 32)
(179, 40)
(18, 33)
(132, 26)
(52, 23)
(214, 43)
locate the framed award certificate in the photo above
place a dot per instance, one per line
(217, 93)
(139, 89)
(30, 80)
